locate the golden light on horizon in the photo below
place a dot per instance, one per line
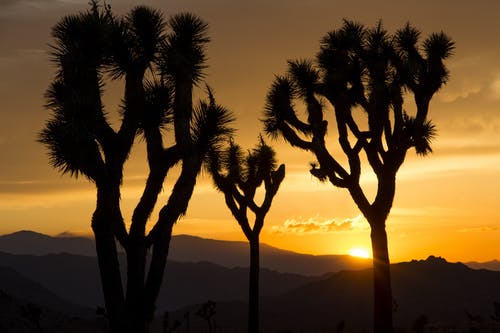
(359, 252)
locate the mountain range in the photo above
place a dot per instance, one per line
(76, 279)
(448, 294)
(492, 265)
(185, 248)
(28, 307)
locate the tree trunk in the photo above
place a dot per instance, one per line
(382, 290)
(253, 295)
(135, 316)
(109, 269)
(161, 244)
(107, 255)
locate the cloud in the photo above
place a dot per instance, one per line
(10, 55)
(73, 233)
(314, 225)
(484, 228)
(8, 3)
(462, 90)
(33, 8)
(471, 80)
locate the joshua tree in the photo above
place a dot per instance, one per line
(207, 312)
(364, 75)
(239, 177)
(159, 69)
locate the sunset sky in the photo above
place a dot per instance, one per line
(447, 204)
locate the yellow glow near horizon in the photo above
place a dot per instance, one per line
(359, 252)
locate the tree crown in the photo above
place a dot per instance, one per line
(368, 69)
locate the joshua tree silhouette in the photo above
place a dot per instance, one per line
(207, 312)
(363, 74)
(238, 177)
(159, 69)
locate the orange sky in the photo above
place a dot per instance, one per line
(446, 204)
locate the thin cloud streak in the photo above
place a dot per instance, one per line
(484, 228)
(315, 225)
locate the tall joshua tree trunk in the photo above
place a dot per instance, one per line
(253, 290)
(107, 254)
(383, 304)
(376, 217)
(111, 283)
(135, 312)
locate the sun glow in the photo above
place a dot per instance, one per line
(359, 252)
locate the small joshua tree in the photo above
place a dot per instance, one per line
(239, 176)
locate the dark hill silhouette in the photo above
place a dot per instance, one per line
(76, 279)
(16, 285)
(192, 283)
(440, 290)
(185, 248)
(445, 292)
(235, 254)
(29, 242)
(434, 287)
(492, 265)
(27, 307)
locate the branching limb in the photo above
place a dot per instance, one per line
(120, 230)
(293, 138)
(271, 185)
(134, 104)
(240, 214)
(179, 198)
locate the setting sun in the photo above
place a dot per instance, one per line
(359, 252)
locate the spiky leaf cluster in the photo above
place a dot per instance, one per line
(137, 40)
(360, 68)
(184, 48)
(94, 43)
(211, 124)
(238, 175)
(247, 171)
(158, 98)
(81, 43)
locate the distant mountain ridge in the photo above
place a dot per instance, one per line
(452, 296)
(492, 265)
(236, 254)
(27, 307)
(17, 285)
(447, 293)
(444, 292)
(186, 248)
(76, 279)
(34, 243)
